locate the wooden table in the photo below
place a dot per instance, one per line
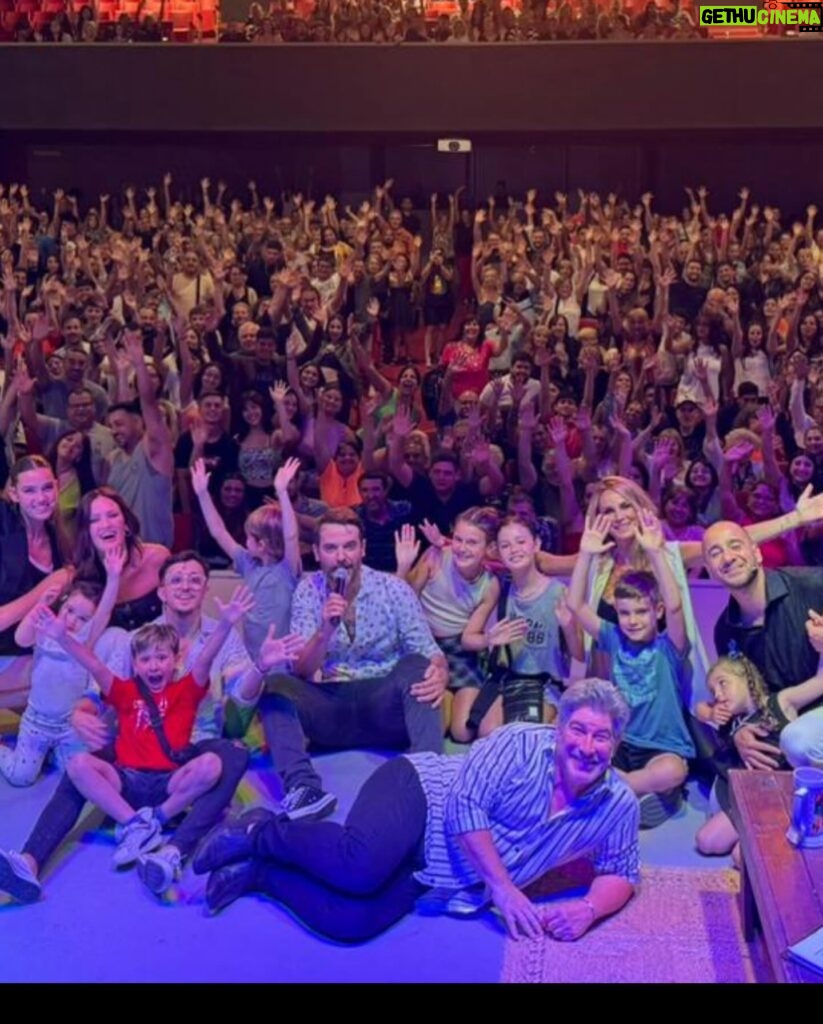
(781, 887)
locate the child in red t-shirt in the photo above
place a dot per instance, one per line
(152, 782)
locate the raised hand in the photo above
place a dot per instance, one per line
(402, 423)
(562, 612)
(47, 623)
(432, 534)
(239, 604)
(277, 651)
(200, 478)
(527, 417)
(809, 507)
(593, 540)
(114, 560)
(766, 419)
(558, 431)
(742, 451)
(284, 476)
(649, 532)
(406, 548)
(133, 346)
(279, 391)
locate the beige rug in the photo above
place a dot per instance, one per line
(682, 926)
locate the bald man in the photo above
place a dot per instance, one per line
(766, 620)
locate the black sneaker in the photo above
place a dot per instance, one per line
(655, 808)
(305, 803)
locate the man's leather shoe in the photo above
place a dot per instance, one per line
(227, 884)
(230, 842)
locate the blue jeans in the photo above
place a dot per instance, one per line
(350, 882)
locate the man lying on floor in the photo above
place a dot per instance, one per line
(472, 829)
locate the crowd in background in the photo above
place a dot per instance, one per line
(347, 21)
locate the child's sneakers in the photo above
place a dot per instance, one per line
(17, 879)
(158, 871)
(655, 808)
(140, 835)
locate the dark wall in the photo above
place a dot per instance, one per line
(781, 170)
(610, 117)
(532, 87)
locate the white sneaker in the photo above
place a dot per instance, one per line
(17, 879)
(140, 835)
(158, 871)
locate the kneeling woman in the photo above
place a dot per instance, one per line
(451, 582)
(529, 621)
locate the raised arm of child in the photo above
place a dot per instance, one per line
(240, 604)
(291, 529)
(214, 521)
(649, 535)
(592, 543)
(49, 624)
(25, 634)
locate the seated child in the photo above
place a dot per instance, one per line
(451, 580)
(741, 697)
(269, 563)
(651, 670)
(156, 772)
(57, 681)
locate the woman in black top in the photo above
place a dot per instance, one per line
(31, 562)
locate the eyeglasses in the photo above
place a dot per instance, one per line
(182, 581)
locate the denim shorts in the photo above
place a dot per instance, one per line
(143, 788)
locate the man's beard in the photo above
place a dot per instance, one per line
(753, 571)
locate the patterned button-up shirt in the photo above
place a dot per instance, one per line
(388, 624)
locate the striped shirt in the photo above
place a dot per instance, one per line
(504, 785)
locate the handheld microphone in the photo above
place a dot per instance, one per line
(340, 579)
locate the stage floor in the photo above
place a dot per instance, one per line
(95, 925)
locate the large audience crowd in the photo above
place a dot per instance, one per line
(347, 21)
(440, 409)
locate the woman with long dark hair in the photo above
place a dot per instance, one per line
(33, 551)
(104, 521)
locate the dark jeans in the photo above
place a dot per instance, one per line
(350, 882)
(62, 812)
(338, 716)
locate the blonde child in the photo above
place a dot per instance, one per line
(741, 697)
(157, 773)
(57, 682)
(270, 562)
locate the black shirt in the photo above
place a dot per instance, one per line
(779, 647)
(379, 537)
(17, 575)
(220, 456)
(426, 505)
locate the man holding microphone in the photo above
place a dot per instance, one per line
(370, 674)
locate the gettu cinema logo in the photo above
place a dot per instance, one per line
(806, 17)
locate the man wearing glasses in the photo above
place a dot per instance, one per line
(182, 590)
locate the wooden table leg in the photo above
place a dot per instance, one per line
(748, 907)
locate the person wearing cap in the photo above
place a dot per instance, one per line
(370, 674)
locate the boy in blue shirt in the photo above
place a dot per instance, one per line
(651, 670)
